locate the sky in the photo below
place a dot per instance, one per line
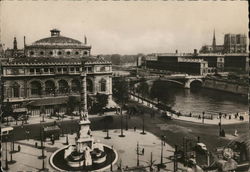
(125, 27)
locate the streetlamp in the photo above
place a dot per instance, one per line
(121, 135)
(126, 121)
(161, 165)
(220, 115)
(6, 154)
(203, 113)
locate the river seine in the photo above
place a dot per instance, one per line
(198, 100)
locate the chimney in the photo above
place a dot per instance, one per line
(15, 44)
(85, 40)
(195, 52)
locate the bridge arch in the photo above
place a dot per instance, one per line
(191, 81)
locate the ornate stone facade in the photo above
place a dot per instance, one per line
(49, 80)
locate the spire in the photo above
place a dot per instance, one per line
(214, 42)
(85, 39)
(15, 44)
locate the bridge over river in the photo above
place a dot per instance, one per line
(181, 79)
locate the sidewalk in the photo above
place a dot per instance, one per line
(214, 121)
(38, 119)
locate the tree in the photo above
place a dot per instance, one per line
(116, 59)
(120, 90)
(101, 102)
(7, 111)
(159, 91)
(143, 88)
(72, 103)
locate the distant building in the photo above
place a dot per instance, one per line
(184, 63)
(48, 72)
(233, 43)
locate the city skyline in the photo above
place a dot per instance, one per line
(125, 27)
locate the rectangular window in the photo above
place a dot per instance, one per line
(90, 69)
(38, 70)
(51, 70)
(77, 69)
(46, 70)
(32, 71)
(65, 69)
(72, 69)
(59, 69)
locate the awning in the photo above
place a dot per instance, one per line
(19, 110)
(49, 101)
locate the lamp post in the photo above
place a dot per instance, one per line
(126, 121)
(161, 165)
(137, 153)
(220, 115)
(203, 113)
(121, 135)
(143, 124)
(175, 159)
(6, 155)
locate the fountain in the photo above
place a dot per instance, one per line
(87, 154)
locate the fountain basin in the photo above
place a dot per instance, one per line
(100, 163)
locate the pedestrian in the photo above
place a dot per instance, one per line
(229, 117)
(134, 128)
(53, 139)
(19, 148)
(223, 134)
(142, 151)
(190, 115)
(199, 117)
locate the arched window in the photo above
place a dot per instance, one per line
(59, 52)
(85, 52)
(89, 85)
(49, 87)
(41, 53)
(51, 52)
(76, 53)
(76, 86)
(32, 53)
(63, 86)
(16, 90)
(102, 84)
(36, 88)
(68, 52)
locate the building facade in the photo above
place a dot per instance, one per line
(233, 43)
(178, 63)
(49, 72)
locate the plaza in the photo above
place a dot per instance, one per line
(28, 158)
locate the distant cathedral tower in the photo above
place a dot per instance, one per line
(15, 44)
(214, 43)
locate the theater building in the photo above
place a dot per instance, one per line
(49, 72)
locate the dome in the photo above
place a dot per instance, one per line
(57, 39)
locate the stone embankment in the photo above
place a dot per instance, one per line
(227, 86)
(241, 117)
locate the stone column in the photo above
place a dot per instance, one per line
(83, 103)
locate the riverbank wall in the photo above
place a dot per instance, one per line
(226, 86)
